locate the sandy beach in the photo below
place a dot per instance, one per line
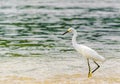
(12, 73)
(61, 79)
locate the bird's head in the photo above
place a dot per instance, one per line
(69, 30)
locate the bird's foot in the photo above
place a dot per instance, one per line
(89, 74)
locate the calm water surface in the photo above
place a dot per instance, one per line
(32, 44)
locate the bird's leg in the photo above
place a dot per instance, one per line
(89, 73)
(97, 66)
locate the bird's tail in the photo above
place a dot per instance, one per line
(102, 58)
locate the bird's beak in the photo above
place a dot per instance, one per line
(65, 32)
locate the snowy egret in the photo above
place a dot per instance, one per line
(86, 52)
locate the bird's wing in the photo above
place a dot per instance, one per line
(89, 53)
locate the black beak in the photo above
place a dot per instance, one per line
(65, 32)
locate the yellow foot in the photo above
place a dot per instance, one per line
(90, 75)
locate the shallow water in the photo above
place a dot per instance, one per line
(32, 45)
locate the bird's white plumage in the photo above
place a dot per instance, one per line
(84, 50)
(88, 52)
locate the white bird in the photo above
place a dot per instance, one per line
(85, 51)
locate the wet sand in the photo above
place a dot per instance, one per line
(61, 79)
(11, 73)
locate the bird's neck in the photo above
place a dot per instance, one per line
(74, 42)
